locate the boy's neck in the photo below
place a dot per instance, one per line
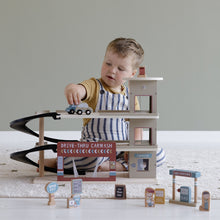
(115, 90)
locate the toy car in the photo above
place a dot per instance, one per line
(79, 109)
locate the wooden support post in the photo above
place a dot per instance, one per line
(51, 199)
(41, 142)
(195, 190)
(174, 187)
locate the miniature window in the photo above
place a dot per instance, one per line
(145, 138)
(143, 165)
(144, 103)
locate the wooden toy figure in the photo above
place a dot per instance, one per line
(159, 196)
(120, 191)
(51, 188)
(149, 197)
(205, 201)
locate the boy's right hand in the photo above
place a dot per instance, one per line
(75, 93)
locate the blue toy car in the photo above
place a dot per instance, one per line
(79, 109)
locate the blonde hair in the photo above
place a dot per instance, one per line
(125, 47)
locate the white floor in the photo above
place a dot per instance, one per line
(101, 209)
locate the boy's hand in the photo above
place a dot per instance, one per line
(75, 93)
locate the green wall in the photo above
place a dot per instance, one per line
(46, 44)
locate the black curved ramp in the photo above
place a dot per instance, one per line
(20, 125)
(21, 156)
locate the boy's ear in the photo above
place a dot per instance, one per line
(134, 73)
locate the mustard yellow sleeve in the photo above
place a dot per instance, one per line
(92, 92)
(92, 95)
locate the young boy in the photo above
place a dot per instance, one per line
(122, 58)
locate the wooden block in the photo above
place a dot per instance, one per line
(149, 197)
(76, 199)
(70, 202)
(205, 201)
(159, 196)
(141, 72)
(120, 191)
(76, 186)
(185, 194)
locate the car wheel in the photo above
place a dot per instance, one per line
(71, 111)
(79, 112)
(88, 112)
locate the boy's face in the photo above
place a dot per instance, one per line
(115, 68)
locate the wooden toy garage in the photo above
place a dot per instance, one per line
(142, 153)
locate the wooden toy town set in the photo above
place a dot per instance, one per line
(152, 196)
(142, 153)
